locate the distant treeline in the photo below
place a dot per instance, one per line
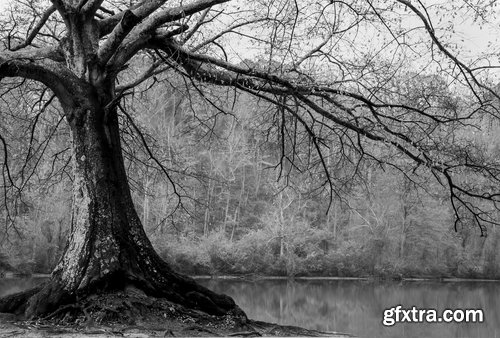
(234, 210)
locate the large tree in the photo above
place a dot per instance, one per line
(337, 72)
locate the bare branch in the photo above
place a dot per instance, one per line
(141, 35)
(153, 70)
(140, 10)
(36, 29)
(196, 27)
(126, 24)
(39, 65)
(171, 14)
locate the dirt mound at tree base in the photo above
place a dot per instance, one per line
(131, 313)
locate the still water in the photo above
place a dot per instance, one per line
(352, 306)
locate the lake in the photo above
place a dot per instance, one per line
(352, 306)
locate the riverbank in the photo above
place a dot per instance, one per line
(326, 278)
(255, 277)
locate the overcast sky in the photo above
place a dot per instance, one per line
(471, 39)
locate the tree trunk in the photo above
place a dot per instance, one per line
(404, 225)
(206, 221)
(226, 211)
(108, 249)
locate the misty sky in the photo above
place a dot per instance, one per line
(471, 39)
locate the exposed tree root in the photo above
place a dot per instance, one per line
(129, 311)
(51, 296)
(16, 303)
(169, 305)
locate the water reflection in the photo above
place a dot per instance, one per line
(357, 307)
(351, 306)
(13, 285)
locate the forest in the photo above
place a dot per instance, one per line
(240, 213)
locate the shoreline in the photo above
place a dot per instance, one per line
(327, 278)
(11, 275)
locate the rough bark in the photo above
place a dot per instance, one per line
(108, 248)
